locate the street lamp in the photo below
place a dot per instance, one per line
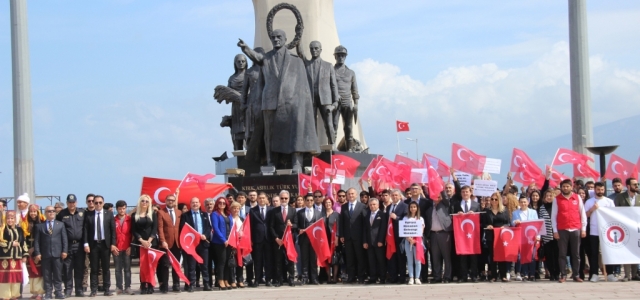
(603, 151)
(415, 140)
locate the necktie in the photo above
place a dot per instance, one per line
(173, 218)
(50, 227)
(393, 207)
(195, 222)
(262, 212)
(99, 226)
(467, 206)
(284, 214)
(373, 216)
(350, 208)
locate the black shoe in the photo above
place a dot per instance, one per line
(47, 297)
(59, 296)
(100, 288)
(67, 294)
(315, 282)
(460, 281)
(207, 287)
(93, 294)
(475, 280)
(268, 283)
(361, 282)
(107, 293)
(436, 281)
(277, 284)
(190, 289)
(446, 281)
(370, 281)
(176, 288)
(291, 283)
(254, 285)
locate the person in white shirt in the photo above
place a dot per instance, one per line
(594, 240)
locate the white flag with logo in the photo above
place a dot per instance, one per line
(619, 229)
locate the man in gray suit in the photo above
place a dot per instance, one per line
(286, 102)
(50, 247)
(324, 88)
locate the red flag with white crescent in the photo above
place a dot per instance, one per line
(189, 240)
(175, 264)
(466, 232)
(244, 241)
(506, 244)
(530, 230)
(390, 239)
(621, 168)
(318, 239)
(159, 189)
(465, 160)
(289, 245)
(149, 259)
(402, 126)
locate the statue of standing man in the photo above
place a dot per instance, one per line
(287, 106)
(348, 90)
(322, 81)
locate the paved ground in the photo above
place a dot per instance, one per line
(512, 290)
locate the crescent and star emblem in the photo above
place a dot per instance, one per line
(506, 230)
(613, 167)
(460, 151)
(153, 253)
(314, 233)
(188, 235)
(515, 160)
(389, 233)
(473, 227)
(526, 233)
(156, 194)
(560, 157)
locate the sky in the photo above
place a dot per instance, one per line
(123, 89)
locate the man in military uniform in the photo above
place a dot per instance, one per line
(347, 89)
(73, 265)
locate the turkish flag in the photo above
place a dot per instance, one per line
(159, 189)
(401, 175)
(436, 184)
(346, 164)
(390, 239)
(234, 239)
(175, 264)
(200, 180)
(304, 181)
(466, 232)
(555, 178)
(368, 172)
(621, 168)
(529, 231)
(189, 240)
(506, 244)
(318, 168)
(289, 245)
(244, 240)
(149, 259)
(465, 160)
(419, 250)
(402, 126)
(584, 170)
(566, 156)
(403, 160)
(529, 178)
(318, 238)
(521, 162)
(383, 170)
(440, 166)
(334, 237)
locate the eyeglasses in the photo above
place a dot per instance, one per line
(317, 196)
(221, 203)
(309, 200)
(342, 196)
(283, 198)
(494, 199)
(50, 211)
(144, 201)
(89, 201)
(96, 202)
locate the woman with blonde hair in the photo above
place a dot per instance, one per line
(144, 229)
(496, 216)
(13, 252)
(36, 284)
(235, 273)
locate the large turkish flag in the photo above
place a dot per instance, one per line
(506, 244)
(465, 160)
(159, 188)
(466, 232)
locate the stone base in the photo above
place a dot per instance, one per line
(271, 185)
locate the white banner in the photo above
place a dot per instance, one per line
(484, 188)
(410, 228)
(463, 178)
(619, 229)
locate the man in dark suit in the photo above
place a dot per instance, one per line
(168, 236)
(99, 241)
(468, 263)
(397, 264)
(280, 218)
(303, 218)
(375, 231)
(629, 199)
(438, 233)
(200, 221)
(353, 215)
(50, 246)
(259, 238)
(318, 200)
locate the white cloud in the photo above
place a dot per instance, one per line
(487, 104)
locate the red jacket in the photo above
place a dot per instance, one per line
(569, 212)
(123, 233)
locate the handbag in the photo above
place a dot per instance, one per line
(247, 259)
(232, 258)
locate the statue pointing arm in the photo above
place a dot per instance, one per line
(253, 55)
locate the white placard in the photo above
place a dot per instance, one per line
(419, 175)
(463, 178)
(338, 176)
(484, 188)
(492, 165)
(410, 228)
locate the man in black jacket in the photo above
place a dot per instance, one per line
(397, 264)
(468, 263)
(259, 238)
(353, 215)
(375, 229)
(280, 218)
(201, 222)
(50, 247)
(99, 241)
(303, 219)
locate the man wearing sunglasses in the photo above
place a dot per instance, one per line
(99, 243)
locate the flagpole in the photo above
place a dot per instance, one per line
(398, 137)
(185, 177)
(554, 158)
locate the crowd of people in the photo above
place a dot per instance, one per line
(63, 247)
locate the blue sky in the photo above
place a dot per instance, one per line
(123, 89)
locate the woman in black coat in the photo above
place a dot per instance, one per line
(144, 229)
(495, 216)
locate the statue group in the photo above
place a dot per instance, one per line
(276, 102)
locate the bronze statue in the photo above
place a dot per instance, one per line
(287, 107)
(251, 98)
(322, 81)
(231, 94)
(348, 90)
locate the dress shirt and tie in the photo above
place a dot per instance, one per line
(262, 212)
(466, 206)
(318, 207)
(197, 221)
(172, 214)
(50, 226)
(99, 234)
(373, 216)
(284, 213)
(309, 214)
